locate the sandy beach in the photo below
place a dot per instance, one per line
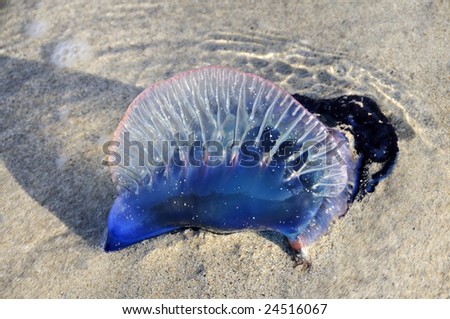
(68, 72)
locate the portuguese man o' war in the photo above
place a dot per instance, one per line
(222, 150)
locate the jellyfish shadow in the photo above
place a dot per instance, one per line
(79, 190)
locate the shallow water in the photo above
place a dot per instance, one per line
(67, 78)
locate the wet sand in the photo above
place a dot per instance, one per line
(69, 71)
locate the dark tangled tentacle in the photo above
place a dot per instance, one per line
(375, 137)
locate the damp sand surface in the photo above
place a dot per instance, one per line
(68, 71)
